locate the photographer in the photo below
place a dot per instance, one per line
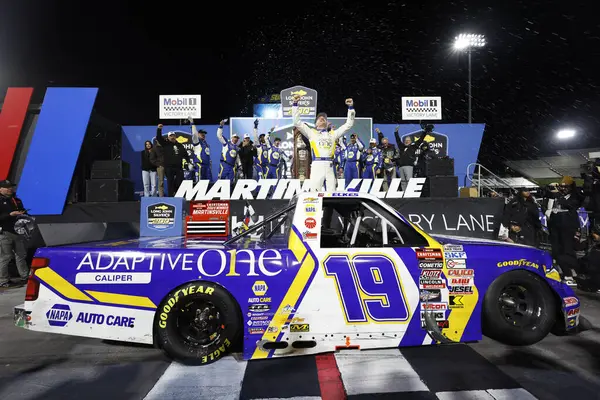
(11, 244)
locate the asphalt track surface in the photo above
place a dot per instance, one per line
(36, 365)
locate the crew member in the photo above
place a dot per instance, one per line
(407, 158)
(563, 225)
(275, 156)
(10, 242)
(202, 151)
(389, 154)
(322, 144)
(247, 152)
(339, 159)
(372, 160)
(589, 278)
(174, 154)
(353, 155)
(229, 155)
(262, 150)
(521, 220)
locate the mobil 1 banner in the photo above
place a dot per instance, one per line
(478, 218)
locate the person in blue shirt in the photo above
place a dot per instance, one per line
(339, 159)
(372, 160)
(263, 150)
(191, 167)
(352, 154)
(275, 156)
(230, 162)
(202, 152)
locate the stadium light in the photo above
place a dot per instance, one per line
(565, 134)
(468, 41)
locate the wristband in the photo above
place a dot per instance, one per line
(295, 104)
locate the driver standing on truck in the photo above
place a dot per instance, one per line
(322, 144)
(10, 242)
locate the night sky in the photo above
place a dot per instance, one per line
(539, 72)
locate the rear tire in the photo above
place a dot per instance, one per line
(518, 309)
(197, 323)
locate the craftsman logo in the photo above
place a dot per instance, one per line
(310, 223)
(456, 301)
(428, 273)
(429, 254)
(434, 306)
(461, 272)
(456, 263)
(59, 315)
(461, 289)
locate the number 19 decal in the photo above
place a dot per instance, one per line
(369, 288)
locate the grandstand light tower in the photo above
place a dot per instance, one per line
(469, 41)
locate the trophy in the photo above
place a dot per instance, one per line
(301, 156)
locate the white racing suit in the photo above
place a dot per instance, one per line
(322, 144)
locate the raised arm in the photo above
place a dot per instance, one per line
(361, 146)
(195, 138)
(399, 143)
(342, 143)
(159, 137)
(349, 120)
(220, 133)
(304, 130)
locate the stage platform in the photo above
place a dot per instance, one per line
(86, 222)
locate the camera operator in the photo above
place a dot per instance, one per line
(10, 242)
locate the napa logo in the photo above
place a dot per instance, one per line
(59, 315)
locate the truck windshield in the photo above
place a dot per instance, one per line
(275, 223)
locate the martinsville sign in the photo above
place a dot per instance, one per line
(285, 189)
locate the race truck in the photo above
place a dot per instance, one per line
(329, 271)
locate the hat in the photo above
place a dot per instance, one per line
(235, 135)
(6, 184)
(373, 140)
(171, 133)
(202, 131)
(566, 180)
(246, 136)
(321, 114)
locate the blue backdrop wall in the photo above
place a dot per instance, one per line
(459, 141)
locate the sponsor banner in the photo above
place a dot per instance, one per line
(421, 108)
(161, 216)
(433, 295)
(434, 306)
(179, 106)
(435, 216)
(456, 301)
(307, 104)
(458, 263)
(464, 290)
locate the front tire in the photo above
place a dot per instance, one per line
(197, 323)
(518, 309)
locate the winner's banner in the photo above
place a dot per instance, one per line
(286, 189)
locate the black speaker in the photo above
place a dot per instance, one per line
(110, 169)
(108, 190)
(439, 167)
(441, 186)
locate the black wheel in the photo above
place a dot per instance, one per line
(518, 309)
(197, 323)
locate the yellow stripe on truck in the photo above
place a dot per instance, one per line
(60, 284)
(122, 299)
(293, 293)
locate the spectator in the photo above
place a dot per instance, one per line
(149, 165)
(389, 154)
(160, 167)
(174, 156)
(11, 244)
